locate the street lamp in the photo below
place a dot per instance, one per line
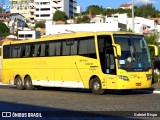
(133, 15)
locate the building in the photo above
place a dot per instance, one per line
(23, 7)
(28, 34)
(126, 6)
(98, 19)
(6, 17)
(67, 28)
(120, 18)
(142, 25)
(44, 9)
(79, 9)
(37, 10)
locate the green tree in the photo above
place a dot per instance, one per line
(147, 11)
(153, 40)
(84, 19)
(4, 30)
(40, 25)
(95, 10)
(59, 16)
(2, 10)
(141, 11)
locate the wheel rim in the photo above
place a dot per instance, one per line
(96, 86)
(28, 83)
(19, 82)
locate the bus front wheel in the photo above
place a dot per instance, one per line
(28, 83)
(19, 83)
(96, 86)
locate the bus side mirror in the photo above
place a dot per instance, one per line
(118, 49)
(155, 49)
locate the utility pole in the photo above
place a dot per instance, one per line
(133, 29)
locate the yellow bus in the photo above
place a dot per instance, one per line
(91, 60)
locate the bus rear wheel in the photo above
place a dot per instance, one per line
(19, 83)
(28, 83)
(96, 86)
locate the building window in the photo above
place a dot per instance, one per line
(45, 15)
(45, 9)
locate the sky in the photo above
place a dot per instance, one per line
(115, 3)
(111, 3)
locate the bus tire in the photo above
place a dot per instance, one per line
(28, 83)
(19, 83)
(96, 86)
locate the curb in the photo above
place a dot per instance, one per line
(156, 91)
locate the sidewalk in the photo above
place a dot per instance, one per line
(156, 87)
(156, 91)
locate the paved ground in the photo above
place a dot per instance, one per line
(79, 103)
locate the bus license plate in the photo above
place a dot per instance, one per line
(138, 84)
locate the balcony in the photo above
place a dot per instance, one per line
(56, 1)
(57, 8)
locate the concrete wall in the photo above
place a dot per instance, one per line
(51, 28)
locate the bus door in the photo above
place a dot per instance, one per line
(110, 67)
(106, 54)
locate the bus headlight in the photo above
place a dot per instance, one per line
(123, 78)
(149, 76)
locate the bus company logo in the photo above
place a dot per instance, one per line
(6, 114)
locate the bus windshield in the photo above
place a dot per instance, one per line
(135, 52)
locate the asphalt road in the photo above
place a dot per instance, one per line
(79, 103)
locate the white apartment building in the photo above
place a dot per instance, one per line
(44, 9)
(141, 25)
(121, 18)
(79, 9)
(23, 7)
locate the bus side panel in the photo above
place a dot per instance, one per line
(6, 76)
(6, 72)
(86, 68)
(66, 74)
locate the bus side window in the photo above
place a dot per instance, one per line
(32, 54)
(27, 50)
(37, 50)
(74, 48)
(47, 50)
(66, 47)
(52, 48)
(42, 50)
(16, 51)
(58, 49)
(86, 47)
(6, 51)
(23, 51)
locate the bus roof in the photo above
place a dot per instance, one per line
(65, 35)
